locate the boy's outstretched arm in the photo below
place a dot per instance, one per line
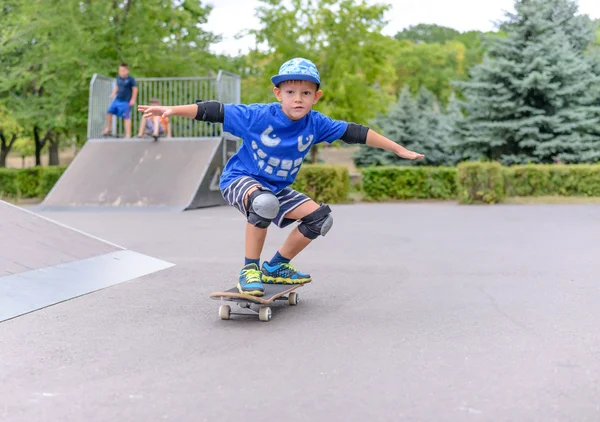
(359, 134)
(376, 140)
(210, 111)
(188, 110)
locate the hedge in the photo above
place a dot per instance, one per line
(34, 182)
(323, 183)
(469, 182)
(382, 183)
(480, 183)
(552, 180)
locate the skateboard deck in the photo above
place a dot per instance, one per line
(257, 304)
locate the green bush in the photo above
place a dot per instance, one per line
(552, 180)
(27, 181)
(323, 183)
(34, 182)
(480, 183)
(8, 184)
(396, 182)
(48, 178)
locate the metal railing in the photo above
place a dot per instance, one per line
(98, 103)
(225, 87)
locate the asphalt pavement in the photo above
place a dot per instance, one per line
(417, 312)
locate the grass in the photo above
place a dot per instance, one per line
(552, 200)
(357, 195)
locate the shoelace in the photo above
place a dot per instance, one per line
(252, 276)
(289, 267)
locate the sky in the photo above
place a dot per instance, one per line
(462, 15)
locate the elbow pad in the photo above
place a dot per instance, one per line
(210, 111)
(355, 134)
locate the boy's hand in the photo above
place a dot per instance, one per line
(409, 155)
(150, 111)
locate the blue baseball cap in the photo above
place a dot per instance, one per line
(297, 69)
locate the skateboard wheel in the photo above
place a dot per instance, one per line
(293, 299)
(264, 314)
(224, 311)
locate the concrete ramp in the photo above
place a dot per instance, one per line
(43, 262)
(171, 174)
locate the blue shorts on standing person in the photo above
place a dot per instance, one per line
(120, 109)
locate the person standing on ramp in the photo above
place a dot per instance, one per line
(126, 93)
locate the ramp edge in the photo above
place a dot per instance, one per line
(33, 290)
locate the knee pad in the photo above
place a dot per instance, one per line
(317, 223)
(263, 207)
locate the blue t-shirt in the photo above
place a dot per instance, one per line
(274, 146)
(125, 88)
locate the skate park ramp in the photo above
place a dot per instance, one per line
(172, 174)
(43, 262)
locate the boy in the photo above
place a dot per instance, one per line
(256, 180)
(126, 92)
(156, 125)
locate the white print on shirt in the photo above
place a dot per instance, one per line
(301, 145)
(267, 140)
(274, 165)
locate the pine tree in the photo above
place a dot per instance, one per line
(533, 97)
(456, 131)
(436, 129)
(402, 124)
(418, 124)
(426, 100)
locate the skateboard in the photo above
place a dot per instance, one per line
(257, 304)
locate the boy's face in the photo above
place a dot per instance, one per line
(123, 71)
(297, 97)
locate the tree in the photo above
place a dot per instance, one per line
(9, 133)
(532, 99)
(419, 124)
(427, 33)
(455, 129)
(9, 127)
(436, 34)
(432, 66)
(402, 124)
(49, 62)
(437, 129)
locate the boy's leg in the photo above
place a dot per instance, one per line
(296, 241)
(316, 221)
(125, 114)
(156, 121)
(142, 127)
(108, 124)
(251, 277)
(127, 128)
(240, 195)
(255, 241)
(113, 109)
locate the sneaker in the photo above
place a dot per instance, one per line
(283, 274)
(250, 282)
